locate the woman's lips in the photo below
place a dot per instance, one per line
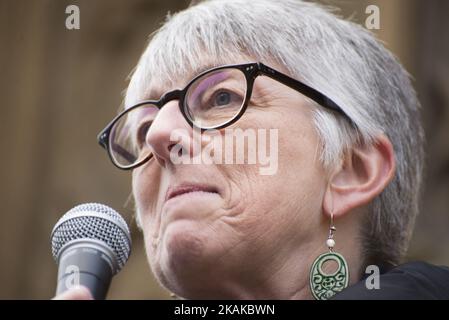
(175, 191)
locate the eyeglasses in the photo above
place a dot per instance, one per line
(214, 99)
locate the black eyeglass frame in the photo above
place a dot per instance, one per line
(251, 72)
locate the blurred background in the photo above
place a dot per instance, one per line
(59, 87)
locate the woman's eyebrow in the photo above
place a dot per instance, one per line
(207, 83)
(202, 68)
(155, 92)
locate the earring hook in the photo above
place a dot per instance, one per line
(330, 242)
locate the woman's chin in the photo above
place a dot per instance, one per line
(182, 243)
(186, 252)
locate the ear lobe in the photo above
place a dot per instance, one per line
(365, 172)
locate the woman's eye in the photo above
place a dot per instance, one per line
(222, 98)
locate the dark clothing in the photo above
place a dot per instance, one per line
(410, 281)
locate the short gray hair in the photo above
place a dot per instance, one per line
(335, 56)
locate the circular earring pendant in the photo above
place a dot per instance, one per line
(324, 286)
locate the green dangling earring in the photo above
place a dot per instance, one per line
(325, 286)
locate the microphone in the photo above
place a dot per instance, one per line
(90, 243)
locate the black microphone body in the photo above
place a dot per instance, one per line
(90, 244)
(86, 263)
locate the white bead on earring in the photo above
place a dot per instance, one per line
(330, 243)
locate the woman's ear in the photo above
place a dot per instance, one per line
(364, 173)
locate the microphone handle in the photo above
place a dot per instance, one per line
(89, 263)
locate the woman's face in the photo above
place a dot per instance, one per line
(211, 229)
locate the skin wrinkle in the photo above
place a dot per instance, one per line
(240, 240)
(140, 171)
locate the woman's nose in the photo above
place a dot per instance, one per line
(168, 129)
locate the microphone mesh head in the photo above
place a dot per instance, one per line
(93, 221)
